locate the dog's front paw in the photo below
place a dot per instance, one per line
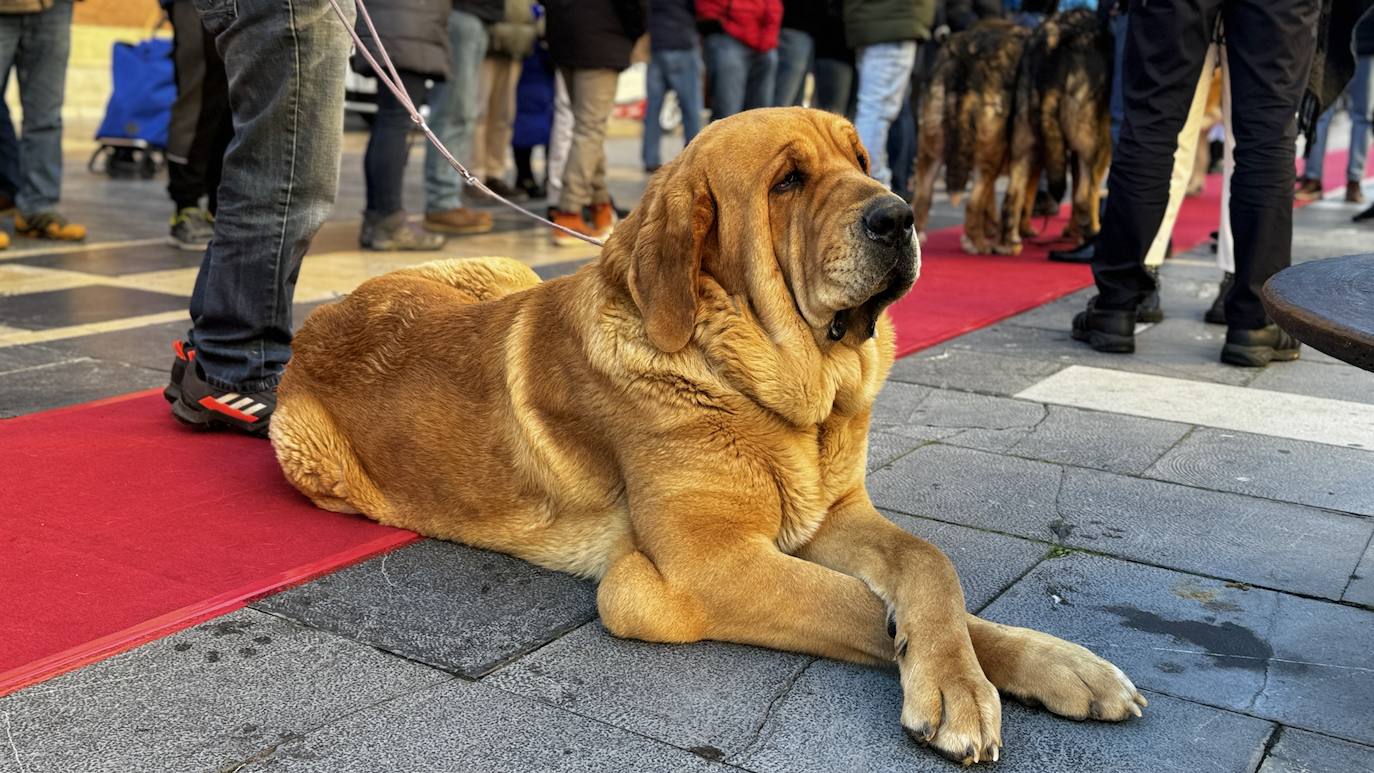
(1071, 681)
(953, 709)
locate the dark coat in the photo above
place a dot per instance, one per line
(867, 22)
(489, 11)
(1333, 63)
(672, 25)
(592, 34)
(415, 33)
(533, 102)
(1364, 34)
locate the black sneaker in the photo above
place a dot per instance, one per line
(1149, 309)
(1106, 330)
(1257, 348)
(1217, 314)
(206, 407)
(191, 230)
(1368, 214)
(1083, 253)
(184, 353)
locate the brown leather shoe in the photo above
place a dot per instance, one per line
(1308, 190)
(458, 221)
(1353, 194)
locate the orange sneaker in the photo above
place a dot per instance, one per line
(49, 225)
(572, 221)
(603, 219)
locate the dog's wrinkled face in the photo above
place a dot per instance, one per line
(776, 205)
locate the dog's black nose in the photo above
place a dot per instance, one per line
(888, 220)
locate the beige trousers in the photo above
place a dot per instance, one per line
(496, 106)
(592, 94)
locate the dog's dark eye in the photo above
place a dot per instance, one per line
(792, 180)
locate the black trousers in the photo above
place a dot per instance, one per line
(1269, 49)
(201, 124)
(388, 146)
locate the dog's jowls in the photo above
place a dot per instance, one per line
(684, 421)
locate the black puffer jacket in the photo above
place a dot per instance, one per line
(592, 34)
(415, 33)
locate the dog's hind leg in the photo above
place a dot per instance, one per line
(318, 460)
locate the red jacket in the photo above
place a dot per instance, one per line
(754, 23)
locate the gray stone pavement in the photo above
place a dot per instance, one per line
(1229, 573)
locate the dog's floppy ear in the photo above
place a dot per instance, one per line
(675, 217)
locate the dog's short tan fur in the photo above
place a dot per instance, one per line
(676, 422)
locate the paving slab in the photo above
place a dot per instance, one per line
(884, 448)
(1301, 662)
(709, 695)
(1318, 379)
(458, 608)
(923, 413)
(1274, 544)
(970, 370)
(14, 358)
(1361, 588)
(844, 718)
(472, 727)
(1055, 315)
(1302, 752)
(987, 563)
(1273, 468)
(200, 699)
(1107, 441)
(71, 381)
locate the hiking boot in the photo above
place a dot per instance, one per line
(603, 219)
(1368, 214)
(1083, 253)
(458, 221)
(1353, 194)
(572, 221)
(1257, 348)
(391, 233)
(1217, 313)
(1149, 309)
(192, 228)
(49, 225)
(184, 353)
(1105, 330)
(1308, 190)
(203, 406)
(499, 187)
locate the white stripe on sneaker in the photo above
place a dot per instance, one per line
(257, 407)
(228, 398)
(238, 406)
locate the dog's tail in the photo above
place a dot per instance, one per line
(1055, 147)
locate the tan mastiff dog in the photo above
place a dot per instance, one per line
(685, 421)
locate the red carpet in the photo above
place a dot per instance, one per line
(120, 526)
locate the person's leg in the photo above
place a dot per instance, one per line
(1226, 243)
(217, 123)
(1315, 155)
(185, 181)
(834, 78)
(286, 61)
(901, 148)
(1269, 48)
(591, 106)
(763, 71)
(481, 129)
(794, 60)
(1361, 102)
(388, 145)
(1117, 107)
(453, 112)
(682, 69)
(41, 64)
(727, 63)
(1166, 46)
(884, 72)
(1183, 164)
(560, 137)
(501, 120)
(656, 85)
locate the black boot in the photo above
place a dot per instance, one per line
(1149, 309)
(1257, 348)
(1368, 214)
(1217, 314)
(1106, 330)
(1083, 253)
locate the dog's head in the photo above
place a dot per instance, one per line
(777, 206)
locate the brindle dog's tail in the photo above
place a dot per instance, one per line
(1055, 148)
(959, 139)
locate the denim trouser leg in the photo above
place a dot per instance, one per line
(1116, 104)
(388, 146)
(9, 147)
(453, 112)
(727, 61)
(285, 60)
(763, 72)
(1316, 152)
(794, 61)
(655, 87)
(37, 45)
(684, 78)
(884, 74)
(834, 79)
(1361, 101)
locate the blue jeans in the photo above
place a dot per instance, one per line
(388, 146)
(1359, 92)
(794, 61)
(285, 61)
(1116, 105)
(884, 75)
(453, 112)
(741, 78)
(680, 72)
(36, 45)
(834, 85)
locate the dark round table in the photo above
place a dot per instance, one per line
(1328, 305)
